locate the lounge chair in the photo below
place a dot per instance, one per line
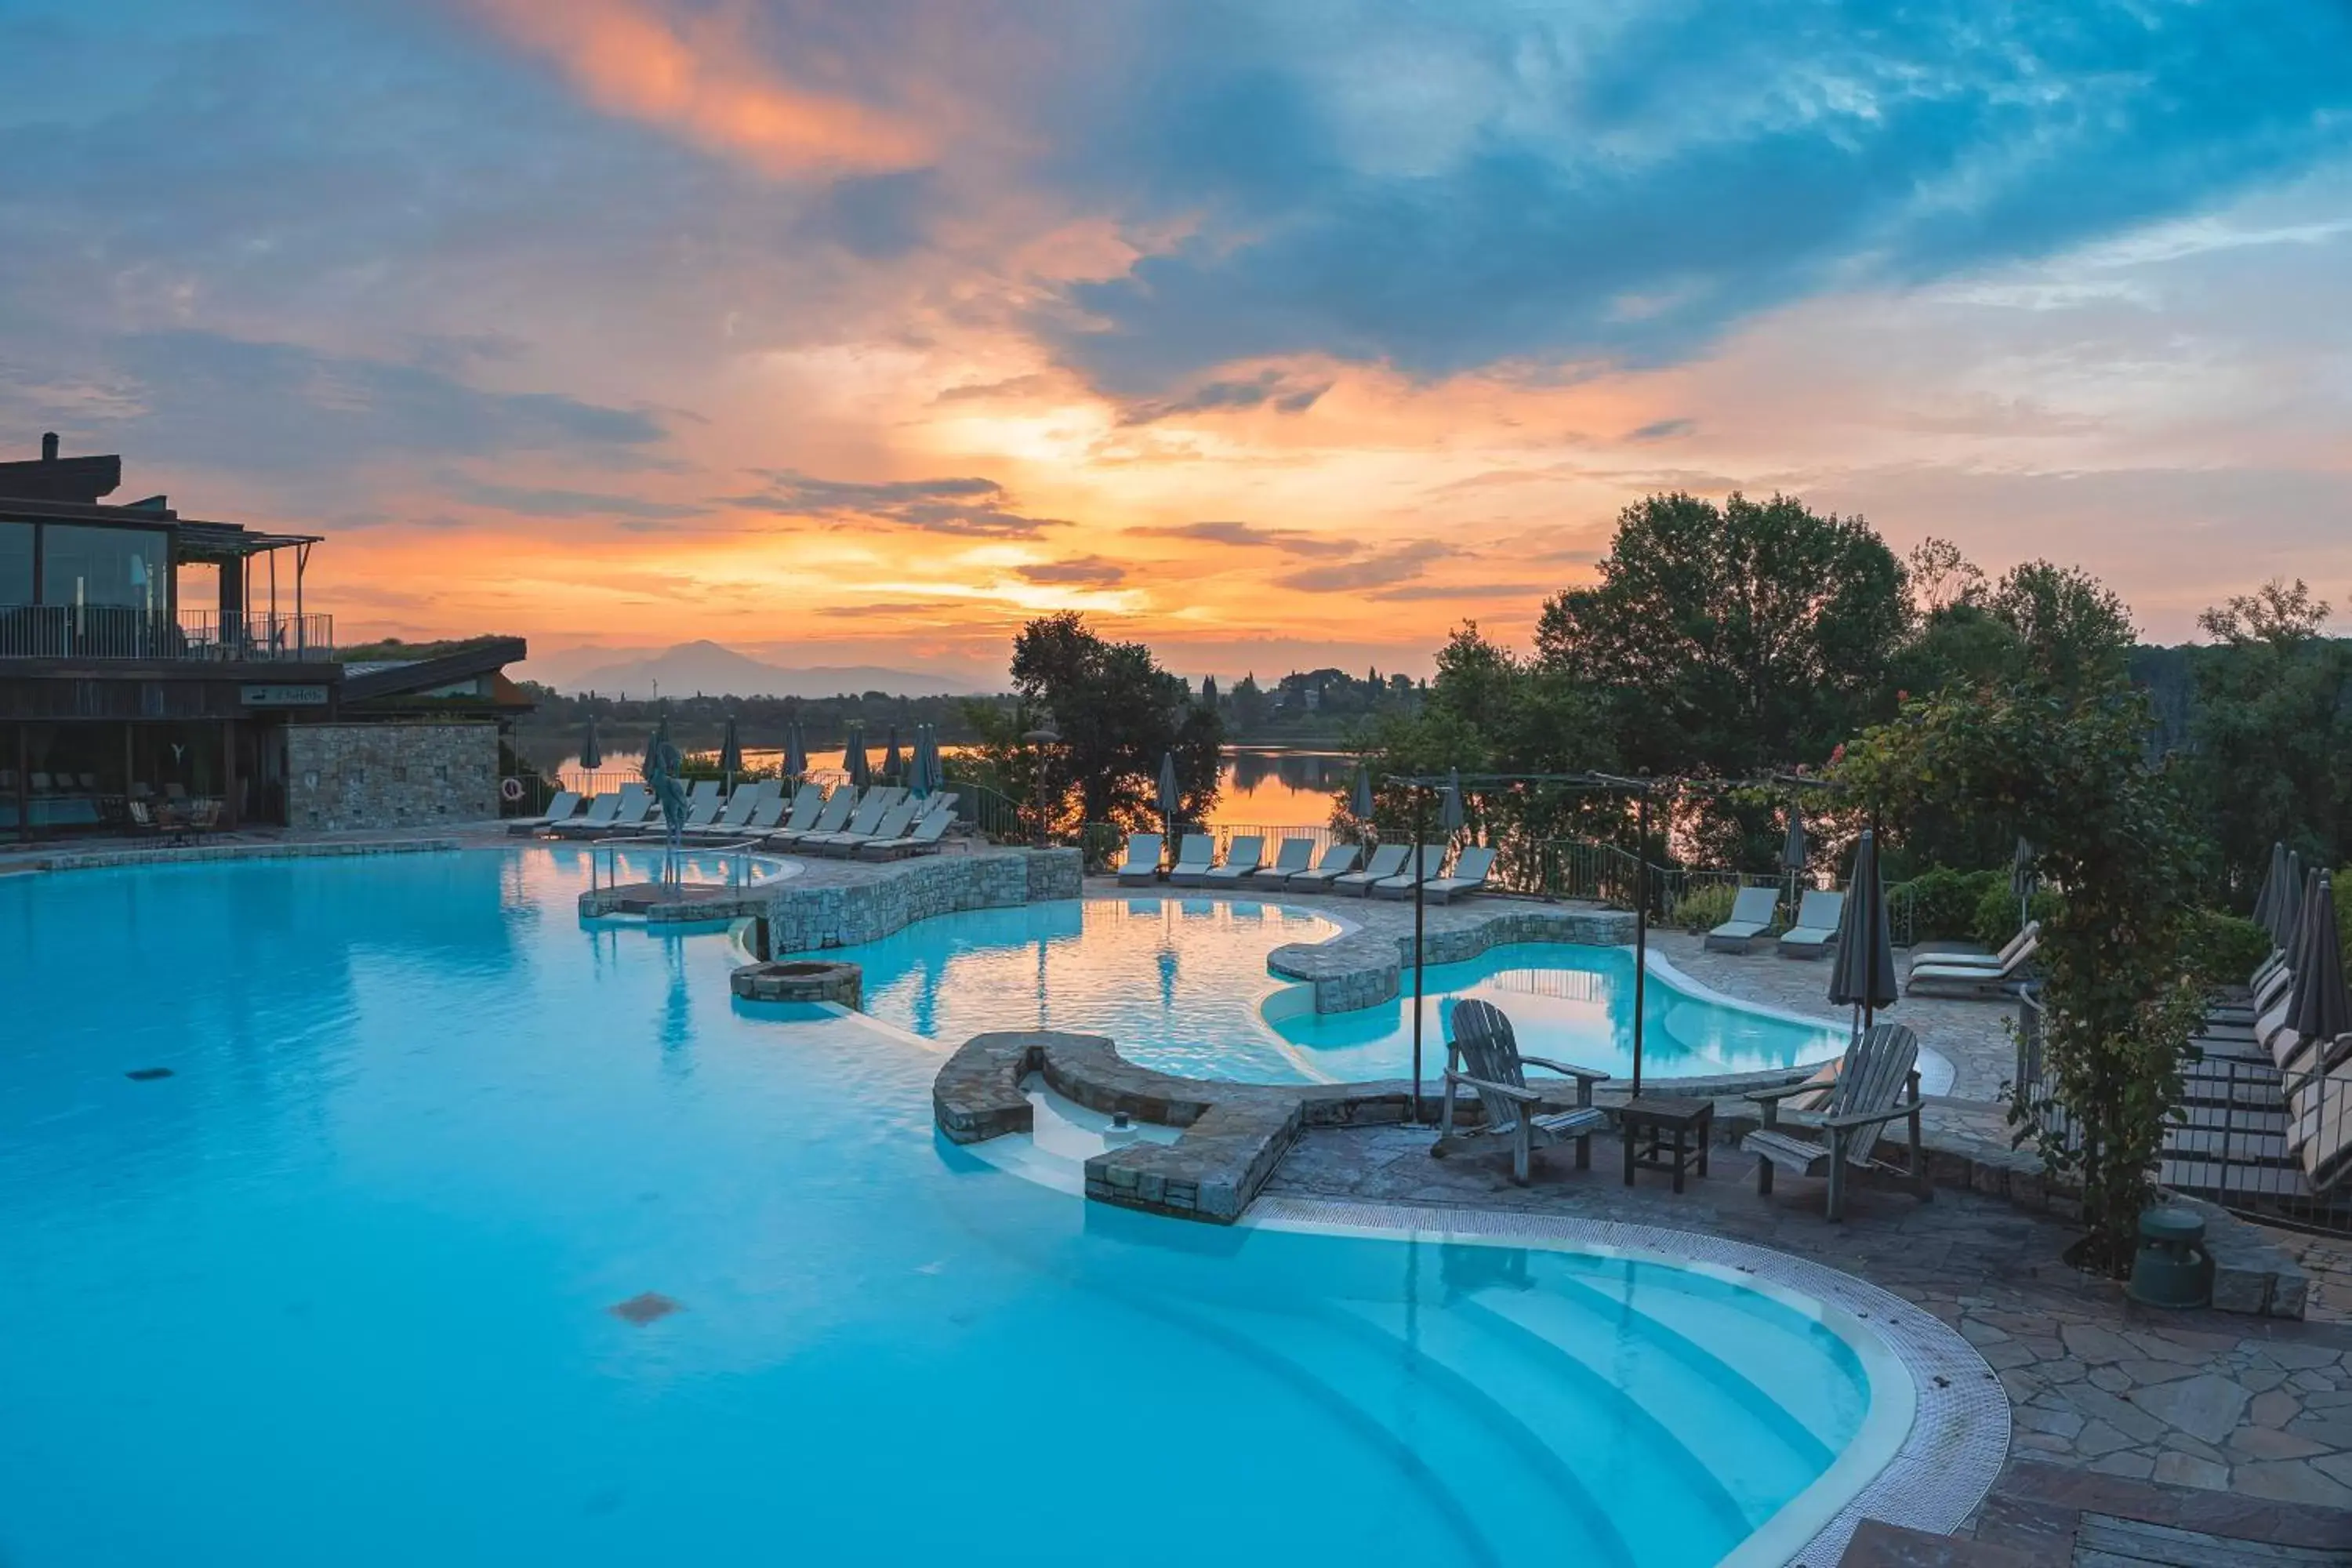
(1422, 868)
(735, 815)
(1193, 858)
(704, 789)
(1141, 867)
(807, 801)
(598, 814)
(1878, 1082)
(559, 810)
(1816, 931)
(1493, 1069)
(831, 817)
(1242, 856)
(699, 814)
(880, 807)
(2320, 1134)
(637, 809)
(1386, 860)
(1337, 862)
(1294, 855)
(766, 813)
(1753, 910)
(1985, 961)
(923, 838)
(1929, 979)
(1468, 876)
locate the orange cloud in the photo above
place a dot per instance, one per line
(702, 82)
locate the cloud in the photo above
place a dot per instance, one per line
(1012, 386)
(975, 507)
(701, 81)
(1375, 571)
(1416, 593)
(1268, 389)
(538, 501)
(1662, 430)
(1250, 536)
(1093, 570)
(925, 609)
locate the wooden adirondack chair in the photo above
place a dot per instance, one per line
(1877, 1083)
(1491, 1064)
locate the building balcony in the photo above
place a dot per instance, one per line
(83, 632)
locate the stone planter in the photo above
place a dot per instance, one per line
(801, 980)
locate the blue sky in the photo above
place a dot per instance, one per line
(867, 331)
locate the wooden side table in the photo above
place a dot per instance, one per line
(1657, 1115)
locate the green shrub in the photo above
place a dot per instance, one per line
(1704, 909)
(1996, 921)
(1944, 902)
(2222, 949)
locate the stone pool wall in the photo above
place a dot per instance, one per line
(810, 918)
(1365, 968)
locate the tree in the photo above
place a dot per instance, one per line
(1941, 578)
(2074, 635)
(1118, 714)
(1248, 704)
(2110, 830)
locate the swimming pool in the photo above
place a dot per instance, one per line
(461, 1234)
(1182, 985)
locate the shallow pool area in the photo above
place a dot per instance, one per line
(1182, 985)
(376, 1211)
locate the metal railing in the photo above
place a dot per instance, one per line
(604, 868)
(124, 632)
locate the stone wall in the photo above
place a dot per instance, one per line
(344, 776)
(1366, 967)
(808, 919)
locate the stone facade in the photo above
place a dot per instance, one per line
(339, 777)
(810, 918)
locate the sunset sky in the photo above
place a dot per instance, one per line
(1275, 333)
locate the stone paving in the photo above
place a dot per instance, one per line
(2259, 1408)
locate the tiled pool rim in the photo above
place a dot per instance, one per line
(1936, 1477)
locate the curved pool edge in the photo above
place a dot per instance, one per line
(1935, 1070)
(1956, 1426)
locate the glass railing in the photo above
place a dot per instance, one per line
(126, 632)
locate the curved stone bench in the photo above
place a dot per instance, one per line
(1365, 968)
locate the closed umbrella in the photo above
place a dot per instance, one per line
(2317, 1008)
(853, 759)
(1359, 800)
(2266, 903)
(893, 767)
(1449, 803)
(2290, 910)
(592, 755)
(1172, 799)
(1794, 858)
(2022, 879)
(795, 752)
(935, 770)
(1863, 975)
(730, 753)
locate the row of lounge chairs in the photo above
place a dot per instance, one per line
(881, 823)
(1755, 909)
(1394, 871)
(2266, 1113)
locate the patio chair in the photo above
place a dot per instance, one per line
(700, 812)
(1493, 1068)
(1141, 867)
(1193, 858)
(1878, 1082)
(1242, 856)
(736, 814)
(2320, 1134)
(807, 801)
(923, 838)
(704, 789)
(1294, 855)
(831, 817)
(1989, 961)
(599, 815)
(1816, 931)
(1753, 910)
(1422, 868)
(895, 818)
(559, 810)
(636, 806)
(766, 813)
(1468, 876)
(1337, 862)
(1386, 860)
(1932, 979)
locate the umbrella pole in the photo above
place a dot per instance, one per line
(1420, 905)
(1641, 925)
(1869, 933)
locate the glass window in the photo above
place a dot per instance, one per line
(15, 563)
(117, 568)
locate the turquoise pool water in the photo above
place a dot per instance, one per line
(341, 1288)
(1182, 985)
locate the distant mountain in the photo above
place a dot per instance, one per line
(717, 671)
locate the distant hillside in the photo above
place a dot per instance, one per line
(717, 671)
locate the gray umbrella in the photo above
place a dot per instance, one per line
(1359, 801)
(893, 767)
(2265, 914)
(731, 753)
(795, 752)
(1449, 803)
(853, 759)
(1171, 800)
(1794, 857)
(927, 755)
(2022, 879)
(1864, 974)
(2290, 909)
(592, 755)
(2317, 1008)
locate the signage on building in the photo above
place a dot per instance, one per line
(285, 696)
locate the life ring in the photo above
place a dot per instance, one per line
(510, 788)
